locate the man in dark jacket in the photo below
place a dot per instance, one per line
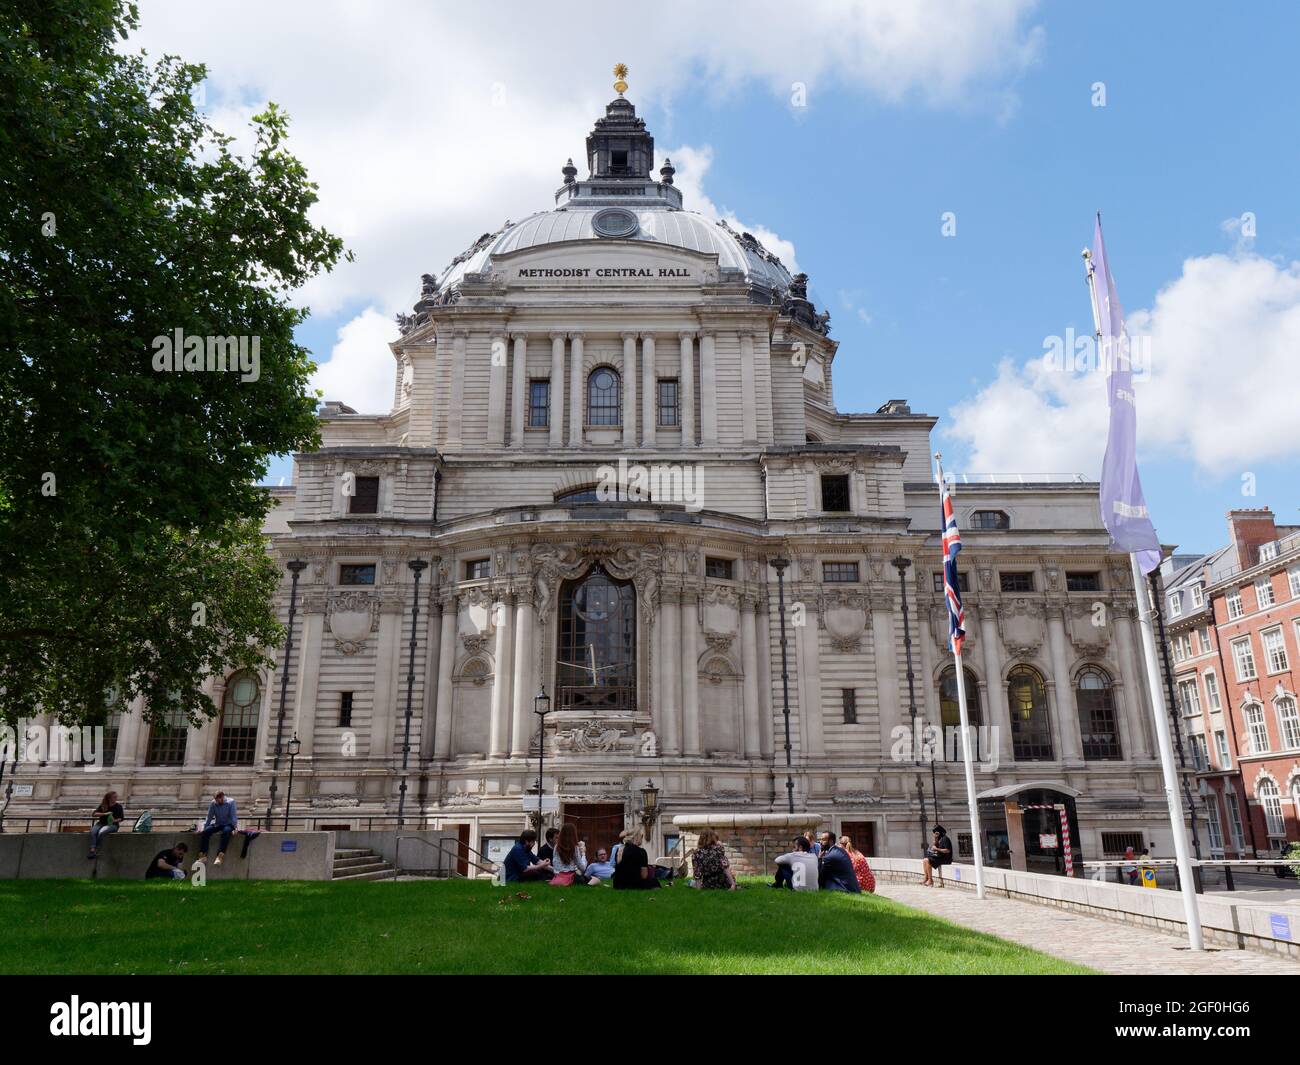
(520, 864)
(836, 869)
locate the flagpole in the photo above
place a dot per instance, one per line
(1182, 853)
(972, 806)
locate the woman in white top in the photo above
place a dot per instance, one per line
(570, 859)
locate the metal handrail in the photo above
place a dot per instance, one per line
(441, 846)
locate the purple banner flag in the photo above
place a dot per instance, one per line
(1123, 506)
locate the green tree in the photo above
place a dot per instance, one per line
(130, 515)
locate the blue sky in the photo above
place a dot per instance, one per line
(1198, 127)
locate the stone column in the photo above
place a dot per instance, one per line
(670, 673)
(708, 391)
(576, 391)
(303, 721)
(454, 415)
(556, 413)
(130, 730)
(886, 645)
(749, 670)
(808, 662)
(763, 622)
(432, 663)
(748, 390)
(648, 390)
(497, 391)
(522, 732)
(446, 671)
(629, 390)
(998, 713)
(690, 667)
(1135, 708)
(519, 390)
(686, 397)
(1067, 715)
(499, 731)
(386, 656)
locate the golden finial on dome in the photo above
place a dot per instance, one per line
(620, 72)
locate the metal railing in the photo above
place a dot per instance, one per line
(311, 823)
(1279, 868)
(449, 848)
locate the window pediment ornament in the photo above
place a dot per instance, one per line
(352, 617)
(1280, 692)
(603, 736)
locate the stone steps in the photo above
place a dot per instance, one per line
(360, 864)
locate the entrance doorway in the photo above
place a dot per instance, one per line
(599, 823)
(863, 835)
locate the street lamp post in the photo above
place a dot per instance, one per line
(294, 745)
(649, 811)
(902, 564)
(541, 707)
(417, 567)
(780, 564)
(295, 567)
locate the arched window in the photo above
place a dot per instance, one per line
(1031, 729)
(604, 397)
(1095, 697)
(237, 742)
(950, 713)
(1256, 729)
(596, 668)
(1269, 798)
(615, 493)
(990, 519)
(1288, 722)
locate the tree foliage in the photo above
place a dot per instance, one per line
(129, 494)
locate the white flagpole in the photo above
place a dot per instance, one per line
(1182, 853)
(972, 806)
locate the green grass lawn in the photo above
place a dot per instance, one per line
(83, 926)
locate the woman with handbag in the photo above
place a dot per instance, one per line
(570, 862)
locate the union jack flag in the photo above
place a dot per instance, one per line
(951, 583)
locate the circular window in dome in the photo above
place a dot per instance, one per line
(614, 222)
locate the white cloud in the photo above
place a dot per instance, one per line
(1222, 389)
(425, 126)
(361, 368)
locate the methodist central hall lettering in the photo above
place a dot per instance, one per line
(603, 271)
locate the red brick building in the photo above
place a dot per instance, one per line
(1233, 627)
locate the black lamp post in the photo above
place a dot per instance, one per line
(780, 565)
(902, 564)
(295, 567)
(541, 707)
(294, 745)
(417, 567)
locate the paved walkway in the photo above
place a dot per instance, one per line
(1108, 946)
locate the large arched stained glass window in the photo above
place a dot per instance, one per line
(604, 398)
(239, 709)
(1097, 725)
(596, 669)
(1031, 729)
(950, 713)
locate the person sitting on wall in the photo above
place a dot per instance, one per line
(602, 868)
(166, 865)
(798, 869)
(632, 871)
(546, 853)
(520, 863)
(107, 818)
(937, 855)
(835, 870)
(222, 817)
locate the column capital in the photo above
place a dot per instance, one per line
(517, 334)
(625, 337)
(576, 334)
(686, 335)
(558, 335)
(648, 335)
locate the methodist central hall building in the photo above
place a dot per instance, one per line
(608, 420)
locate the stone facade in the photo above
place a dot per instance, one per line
(621, 328)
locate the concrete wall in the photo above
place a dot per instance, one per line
(1254, 926)
(126, 856)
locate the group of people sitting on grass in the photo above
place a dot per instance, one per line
(562, 861)
(828, 864)
(824, 864)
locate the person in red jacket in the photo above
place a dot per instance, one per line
(866, 878)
